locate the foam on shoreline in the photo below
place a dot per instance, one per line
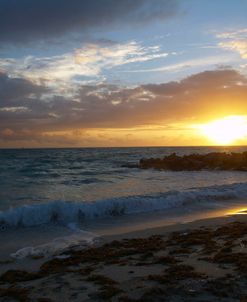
(57, 245)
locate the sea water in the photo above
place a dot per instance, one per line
(78, 191)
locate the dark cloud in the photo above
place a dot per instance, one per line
(207, 80)
(15, 90)
(198, 97)
(31, 20)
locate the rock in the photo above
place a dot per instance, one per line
(196, 162)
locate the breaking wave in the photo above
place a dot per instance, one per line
(64, 212)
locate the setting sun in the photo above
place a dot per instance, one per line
(225, 131)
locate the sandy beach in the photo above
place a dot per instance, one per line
(204, 260)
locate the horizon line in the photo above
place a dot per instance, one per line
(115, 147)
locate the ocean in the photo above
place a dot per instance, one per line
(78, 193)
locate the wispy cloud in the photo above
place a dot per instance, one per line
(212, 60)
(119, 54)
(239, 33)
(239, 46)
(88, 61)
(235, 40)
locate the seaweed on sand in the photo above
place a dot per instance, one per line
(109, 288)
(18, 293)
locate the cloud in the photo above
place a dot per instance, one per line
(235, 40)
(200, 62)
(239, 46)
(104, 109)
(26, 20)
(13, 89)
(88, 61)
(239, 33)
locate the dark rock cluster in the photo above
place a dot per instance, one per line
(196, 162)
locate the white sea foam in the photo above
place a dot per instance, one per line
(57, 245)
(63, 212)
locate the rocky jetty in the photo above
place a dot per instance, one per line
(196, 162)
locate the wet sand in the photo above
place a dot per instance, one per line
(205, 260)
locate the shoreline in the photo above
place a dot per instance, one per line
(46, 239)
(145, 265)
(214, 221)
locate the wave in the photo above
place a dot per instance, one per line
(64, 212)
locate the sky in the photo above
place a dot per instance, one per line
(103, 73)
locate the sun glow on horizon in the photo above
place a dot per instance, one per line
(225, 131)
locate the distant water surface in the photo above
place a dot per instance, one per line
(34, 176)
